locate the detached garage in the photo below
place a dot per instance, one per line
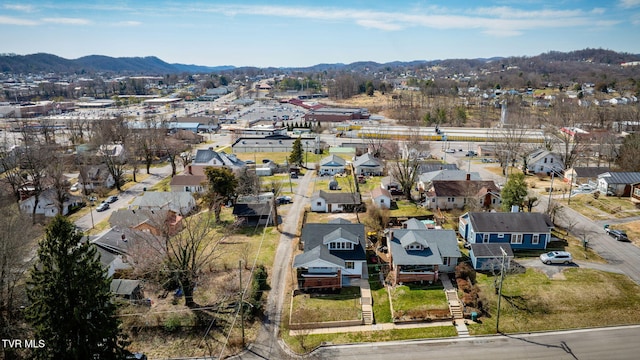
(488, 256)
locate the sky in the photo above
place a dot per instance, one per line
(286, 33)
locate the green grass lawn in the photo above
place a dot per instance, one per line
(533, 302)
(415, 297)
(408, 209)
(313, 341)
(327, 307)
(602, 208)
(381, 308)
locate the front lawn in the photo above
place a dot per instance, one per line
(419, 301)
(322, 307)
(533, 302)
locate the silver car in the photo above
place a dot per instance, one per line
(556, 257)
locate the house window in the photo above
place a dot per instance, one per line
(349, 265)
(318, 203)
(485, 238)
(516, 239)
(332, 245)
(551, 160)
(545, 160)
(535, 240)
(500, 236)
(451, 199)
(187, 189)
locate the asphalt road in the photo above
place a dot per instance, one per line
(605, 343)
(267, 344)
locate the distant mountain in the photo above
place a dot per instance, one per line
(46, 63)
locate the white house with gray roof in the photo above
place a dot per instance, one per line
(180, 202)
(331, 165)
(322, 201)
(209, 157)
(545, 161)
(367, 164)
(618, 183)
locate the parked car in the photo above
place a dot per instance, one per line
(249, 162)
(75, 187)
(102, 207)
(111, 199)
(450, 151)
(471, 153)
(283, 200)
(619, 235)
(556, 257)
(294, 175)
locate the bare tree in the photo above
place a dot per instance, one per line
(109, 134)
(34, 161)
(16, 232)
(404, 170)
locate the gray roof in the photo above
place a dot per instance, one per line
(504, 222)
(254, 209)
(491, 250)
(313, 236)
(333, 160)
(539, 154)
(340, 233)
(204, 156)
(428, 167)
(448, 175)
(159, 199)
(414, 224)
(119, 241)
(621, 177)
(125, 218)
(464, 187)
(124, 286)
(317, 253)
(441, 243)
(360, 161)
(338, 197)
(339, 221)
(589, 172)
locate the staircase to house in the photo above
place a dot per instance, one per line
(455, 307)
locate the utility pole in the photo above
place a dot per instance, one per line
(504, 258)
(241, 302)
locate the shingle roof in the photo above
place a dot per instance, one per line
(339, 221)
(313, 236)
(365, 158)
(427, 167)
(337, 160)
(124, 286)
(442, 243)
(464, 187)
(448, 175)
(504, 222)
(317, 253)
(181, 180)
(255, 209)
(338, 197)
(378, 191)
(414, 224)
(590, 172)
(491, 250)
(204, 156)
(126, 218)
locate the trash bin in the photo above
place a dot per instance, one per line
(474, 316)
(144, 188)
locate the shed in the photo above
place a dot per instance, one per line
(488, 256)
(128, 289)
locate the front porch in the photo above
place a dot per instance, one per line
(409, 274)
(312, 280)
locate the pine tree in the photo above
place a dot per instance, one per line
(296, 157)
(514, 192)
(71, 306)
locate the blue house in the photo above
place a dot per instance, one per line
(518, 229)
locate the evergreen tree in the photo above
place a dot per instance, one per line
(296, 157)
(222, 186)
(71, 308)
(514, 192)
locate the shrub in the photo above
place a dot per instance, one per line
(465, 271)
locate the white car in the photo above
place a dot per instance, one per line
(450, 151)
(556, 257)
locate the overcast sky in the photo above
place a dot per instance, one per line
(303, 33)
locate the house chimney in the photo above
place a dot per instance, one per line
(468, 176)
(189, 170)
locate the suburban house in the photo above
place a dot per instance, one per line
(545, 161)
(208, 157)
(457, 194)
(48, 203)
(181, 202)
(368, 165)
(381, 198)
(428, 166)
(488, 257)
(425, 179)
(191, 180)
(111, 261)
(96, 177)
(156, 222)
(254, 213)
(635, 192)
(618, 183)
(331, 165)
(322, 201)
(115, 151)
(519, 230)
(583, 174)
(420, 255)
(333, 254)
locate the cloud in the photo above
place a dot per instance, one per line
(128, 23)
(381, 25)
(66, 21)
(627, 4)
(7, 20)
(16, 7)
